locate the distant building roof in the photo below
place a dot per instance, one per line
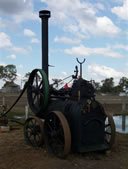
(11, 88)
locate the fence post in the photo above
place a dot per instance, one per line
(124, 103)
(26, 112)
(123, 111)
(3, 100)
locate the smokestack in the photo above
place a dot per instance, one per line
(44, 15)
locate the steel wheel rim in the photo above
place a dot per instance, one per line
(33, 131)
(57, 134)
(109, 130)
(38, 91)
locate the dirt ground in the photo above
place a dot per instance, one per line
(16, 154)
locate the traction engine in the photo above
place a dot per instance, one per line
(65, 119)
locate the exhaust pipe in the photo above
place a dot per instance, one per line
(44, 15)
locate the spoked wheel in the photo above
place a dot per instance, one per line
(38, 91)
(33, 131)
(57, 134)
(109, 130)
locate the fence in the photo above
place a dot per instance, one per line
(112, 104)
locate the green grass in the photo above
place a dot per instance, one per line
(11, 115)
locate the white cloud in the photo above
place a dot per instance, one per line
(35, 40)
(64, 73)
(85, 51)
(100, 6)
(28, 32)
(83, 16)
(11, 56)
(2, 64)
(121, 46)
(121, 11)
(6, 43)
(4, 40)
(19, 80)
(66, 40)
(20, 66)
(19, 10)
(19, 50)
(1, 83)
(9, 24)
(106, 26)
(102, 72)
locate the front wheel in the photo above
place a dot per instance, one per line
(109, 131)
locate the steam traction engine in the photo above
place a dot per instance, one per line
(68, 118)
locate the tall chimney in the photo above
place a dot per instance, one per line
(44, 15)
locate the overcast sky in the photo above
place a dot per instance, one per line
(93, 29)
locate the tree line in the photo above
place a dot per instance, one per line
(8, 74)
(108, 86)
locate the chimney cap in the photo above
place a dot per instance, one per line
(44, 14)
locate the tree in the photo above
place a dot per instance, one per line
(27, 75)
(108, 85)
(1, 72)
(123, 84)
(9, 73)
(96, 85)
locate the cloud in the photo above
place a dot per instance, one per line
(99, 72)
(35, 40)
(64, 73)
(28, 32)
(4, 40)
(20, 66)
(100, 6)
(19, 50)
(2, 64)
(85, 51)
(121, 46)
(105, 25)
(11, 56)
(6, 43)
(18, 10)
(121, 11)
(83, 16)
(66, 40)
(9, 24)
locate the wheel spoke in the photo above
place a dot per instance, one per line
(107, 125)
(106, 132)
(40, 84)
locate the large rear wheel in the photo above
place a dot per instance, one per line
(57, 134)
(109, 131)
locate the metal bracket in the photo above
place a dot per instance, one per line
(80, 66)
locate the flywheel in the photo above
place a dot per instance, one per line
(38, 92)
